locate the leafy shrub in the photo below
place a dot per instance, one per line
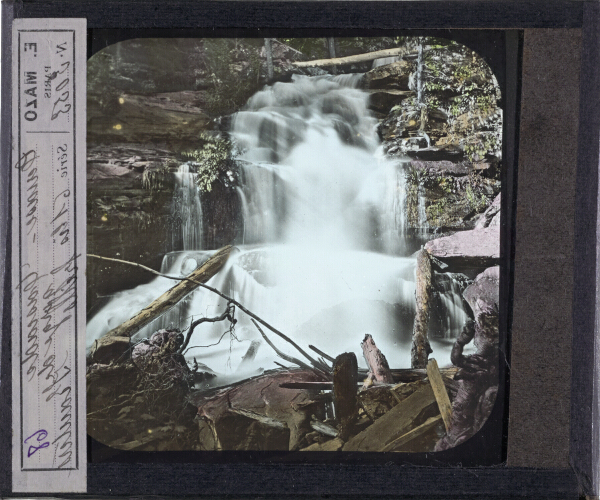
(214, 158)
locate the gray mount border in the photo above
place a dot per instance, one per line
(310, 480)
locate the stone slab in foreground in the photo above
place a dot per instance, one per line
(468, 249)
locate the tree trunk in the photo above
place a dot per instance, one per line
(331, 50)
(269, 52)
(420, 345)
(376, 361)
(345, 379)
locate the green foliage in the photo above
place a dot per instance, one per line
(436, 210)
(463, 72)
(478, 150)
(486, 102)
(156, 179)
(312, 48)
(477, 202)
(213, 158)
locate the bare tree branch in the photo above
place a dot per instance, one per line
(220, 294)
(227, 314)
(318, 351)
(281, 354)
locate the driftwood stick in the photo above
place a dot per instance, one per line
(323, 428)
(281, 354)
(324, 364)
(318, 351)
(250, 355)
(321, 365)
(271, 422)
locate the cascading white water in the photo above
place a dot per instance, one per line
(186, 209)
(322, 255)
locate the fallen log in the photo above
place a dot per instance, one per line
(230, 301)
(358, 58)
(376, 361)
(172, 296)
(400, 376)
(263, 419)
(160, 305)
(115, 350)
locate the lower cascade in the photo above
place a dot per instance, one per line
(324, 254)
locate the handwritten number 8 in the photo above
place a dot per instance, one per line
(41, 435)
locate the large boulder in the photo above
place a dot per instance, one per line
(483, 294)
(388, 85)
(394, 76)
(233, 411)
(468, 250)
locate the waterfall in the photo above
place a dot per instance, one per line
(323, 254)
(186, 210)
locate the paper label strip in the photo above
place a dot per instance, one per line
(48, 249)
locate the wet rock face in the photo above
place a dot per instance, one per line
(458, 113)
(454, 193)
(394, 76)
(222, 216)
(129, 191)
(450, 125)
(175, 118)
(154, 90)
